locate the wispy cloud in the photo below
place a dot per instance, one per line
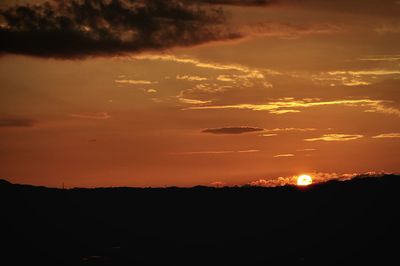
(354, 77)
(376, 72)
(380, 108)
(336, 137)
(192, 101)
(190, 78)
(135, 82)
(288, 30)
(291, 129)
(281, 112)
(277, 182)
(284, 155)
(389, 58)
(318, 177)
(387, 136)
(200, 152)
(293, 106)
(268, 135)
(251, 72)
(232, 130)
(225, 78)
(98, 116)
(213, 152)
(248, 151)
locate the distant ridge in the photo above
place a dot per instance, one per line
(4, 182)
(333, 223)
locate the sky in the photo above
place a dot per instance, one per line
(197, 92)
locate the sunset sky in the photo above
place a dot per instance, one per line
(184, 93)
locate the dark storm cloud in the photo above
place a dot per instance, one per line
(17, 122)
(80, 28)
(232, 130)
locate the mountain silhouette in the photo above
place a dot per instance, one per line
(333, 223)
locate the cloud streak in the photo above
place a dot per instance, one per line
(288, 31)
(291, 129)
(77, 28)
(283, 106)
(247, 71)
(96, 116)
(284, 155)
(190, 78)
(213, 152)
(134, 82)
(232, 130)
(387, 136)
(192, 101)
(336, 137)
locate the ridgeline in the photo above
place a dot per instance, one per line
(333, 223)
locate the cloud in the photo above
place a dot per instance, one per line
(268, 135)
(192, 101)
(190, 78)
(376, 72)
(291, 129)
(77, 28)
(232, 130)
(21, 122)
(280, 181)
(284, 155)
(290, 105)
(213, 152)
(200, 152)
(336, 137)
(379, 108)
(356, 77)
(225, 78)
(241, 78)
(135, 82)
(249, 72)
(287, 30)
(281, 112)
(387, 136)
(317, 177)
(387, 58)
(248, 151)
(98, 116)
(309, 149)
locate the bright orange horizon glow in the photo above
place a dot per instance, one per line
(304, 180)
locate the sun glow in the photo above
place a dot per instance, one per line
(304, 180)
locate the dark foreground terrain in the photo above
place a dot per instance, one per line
(335, 223)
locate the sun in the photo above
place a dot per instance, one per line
(304, 180)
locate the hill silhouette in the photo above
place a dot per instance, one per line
(334, 223)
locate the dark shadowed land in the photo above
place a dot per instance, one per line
(334, 223)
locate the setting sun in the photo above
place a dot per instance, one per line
(304, 180)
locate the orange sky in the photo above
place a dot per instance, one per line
(309, 87)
